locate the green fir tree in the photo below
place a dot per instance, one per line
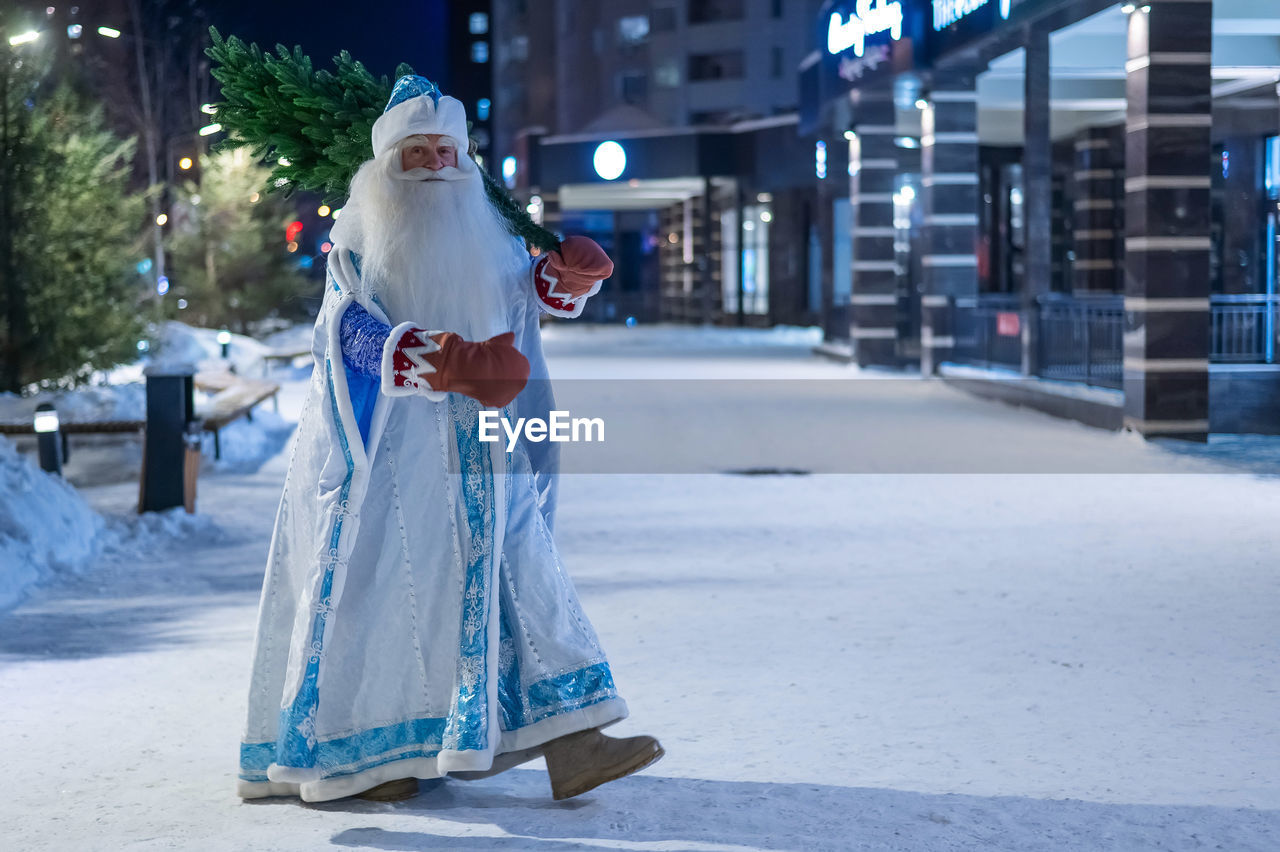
(69, 234)
(316, 124)
(227, 248)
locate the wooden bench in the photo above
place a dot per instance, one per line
(232, 399)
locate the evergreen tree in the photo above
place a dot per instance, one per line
(227, 247)
(317, 123)
(69, 235)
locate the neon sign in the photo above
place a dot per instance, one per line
(867, 18)
(948, 12)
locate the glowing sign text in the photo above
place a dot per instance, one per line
(867, 18)
(947, 12)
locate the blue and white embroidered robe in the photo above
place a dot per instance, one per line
(415, 617)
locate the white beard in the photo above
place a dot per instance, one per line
(435, 252)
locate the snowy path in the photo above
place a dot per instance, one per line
(874, 661)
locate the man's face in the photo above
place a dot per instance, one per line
(432, 152)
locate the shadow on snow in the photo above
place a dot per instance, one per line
(726, 816)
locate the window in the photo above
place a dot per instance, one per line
(775, 62)
(478, 23)
(633, 29)
(664, 19)
(482, 109)
(479, 51)
(727, 65)
(714, 11)
(633, 87)
(667, 74)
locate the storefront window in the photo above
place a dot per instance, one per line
(1273, 167)
(754, 257)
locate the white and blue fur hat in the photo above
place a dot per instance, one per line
(416, 106)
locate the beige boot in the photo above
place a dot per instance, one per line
(583, 761)
(391, 791)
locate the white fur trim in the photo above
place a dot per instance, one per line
(388, 365)
(595, 716)
(420, 115)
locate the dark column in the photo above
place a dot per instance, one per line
(1095, 219)
(705, 272)
(1037, 188)
(874, 300)
(1167, 159)
(949, 161)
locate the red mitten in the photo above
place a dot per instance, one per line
(491, 371)
(579, 264)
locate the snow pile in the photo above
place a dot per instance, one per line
(133, 537)
(87, 404)
(247, 444)
(46, 527)
(178, 344)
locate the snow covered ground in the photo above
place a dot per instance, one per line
(879, 660)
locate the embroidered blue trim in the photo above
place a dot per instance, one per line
(469, 714)
(296, 745)
(424, 737)
(510, 696)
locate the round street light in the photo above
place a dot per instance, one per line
(610, 160)
(185, 163)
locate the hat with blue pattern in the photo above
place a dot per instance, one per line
(417, 107)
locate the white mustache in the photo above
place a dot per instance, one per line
(443, 173)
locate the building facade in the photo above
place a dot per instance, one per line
(695, 104)
(1077, 192)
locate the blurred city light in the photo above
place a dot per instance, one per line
(109, 32)
(284, 161)
(23, 38)
(208, 109)
(337, 213)
(509, 171)
(185, 163)
(195, 200)
(325, 247)
(162, 219)
(291, 247)
(144, 266)
(292, 230)
(162, 285)
(182, 304)
(323, 210)
(74, 31)
(820, 159)
(610, 160)
(210, 129)
(253, 199)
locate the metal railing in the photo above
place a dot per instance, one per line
(982, 331)
(1081, 339)
(1244, 328)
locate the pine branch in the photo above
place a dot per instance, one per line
(316, 125)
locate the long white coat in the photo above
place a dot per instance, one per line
(415, 616)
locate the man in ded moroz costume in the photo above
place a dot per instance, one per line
(416, 620)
